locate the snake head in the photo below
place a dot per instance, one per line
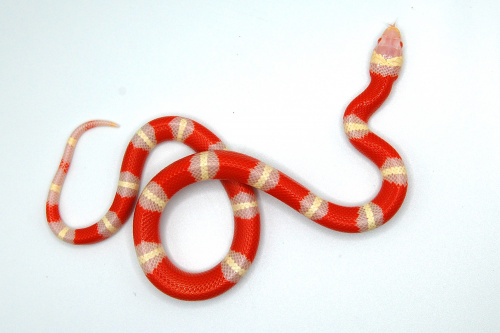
(390, 44)
(387, 57)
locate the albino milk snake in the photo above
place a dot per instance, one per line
(239, 174)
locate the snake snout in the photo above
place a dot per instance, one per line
(390, 44)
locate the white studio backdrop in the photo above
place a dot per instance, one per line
(272, 79)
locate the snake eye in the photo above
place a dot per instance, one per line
(379, 40)
(401, 43)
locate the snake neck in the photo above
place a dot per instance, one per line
(366, 103)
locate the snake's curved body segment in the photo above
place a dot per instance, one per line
(240, 175)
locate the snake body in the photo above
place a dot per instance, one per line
(240, 175)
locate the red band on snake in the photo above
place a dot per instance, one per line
(239, 174)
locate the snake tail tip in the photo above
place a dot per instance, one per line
(113, 124)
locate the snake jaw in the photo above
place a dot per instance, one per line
(390, 45)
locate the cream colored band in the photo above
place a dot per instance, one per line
(397, 170)
(145, 138)
(369, 217)
(182, 128)
(234, 266)
(204, 165)
(151, 254)
(108, 225)
(72, 141)
(151, 196)
(379, 59)
(351, 127)
(264, 177)
(244, 205)
(131, 185)
(314, 207)
(63, 232)
(55, 188)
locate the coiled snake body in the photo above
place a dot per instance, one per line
(239, 174)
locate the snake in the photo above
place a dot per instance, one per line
(240, 176)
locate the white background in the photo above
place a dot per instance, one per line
(272, 79)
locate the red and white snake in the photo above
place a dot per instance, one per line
(239, 174)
